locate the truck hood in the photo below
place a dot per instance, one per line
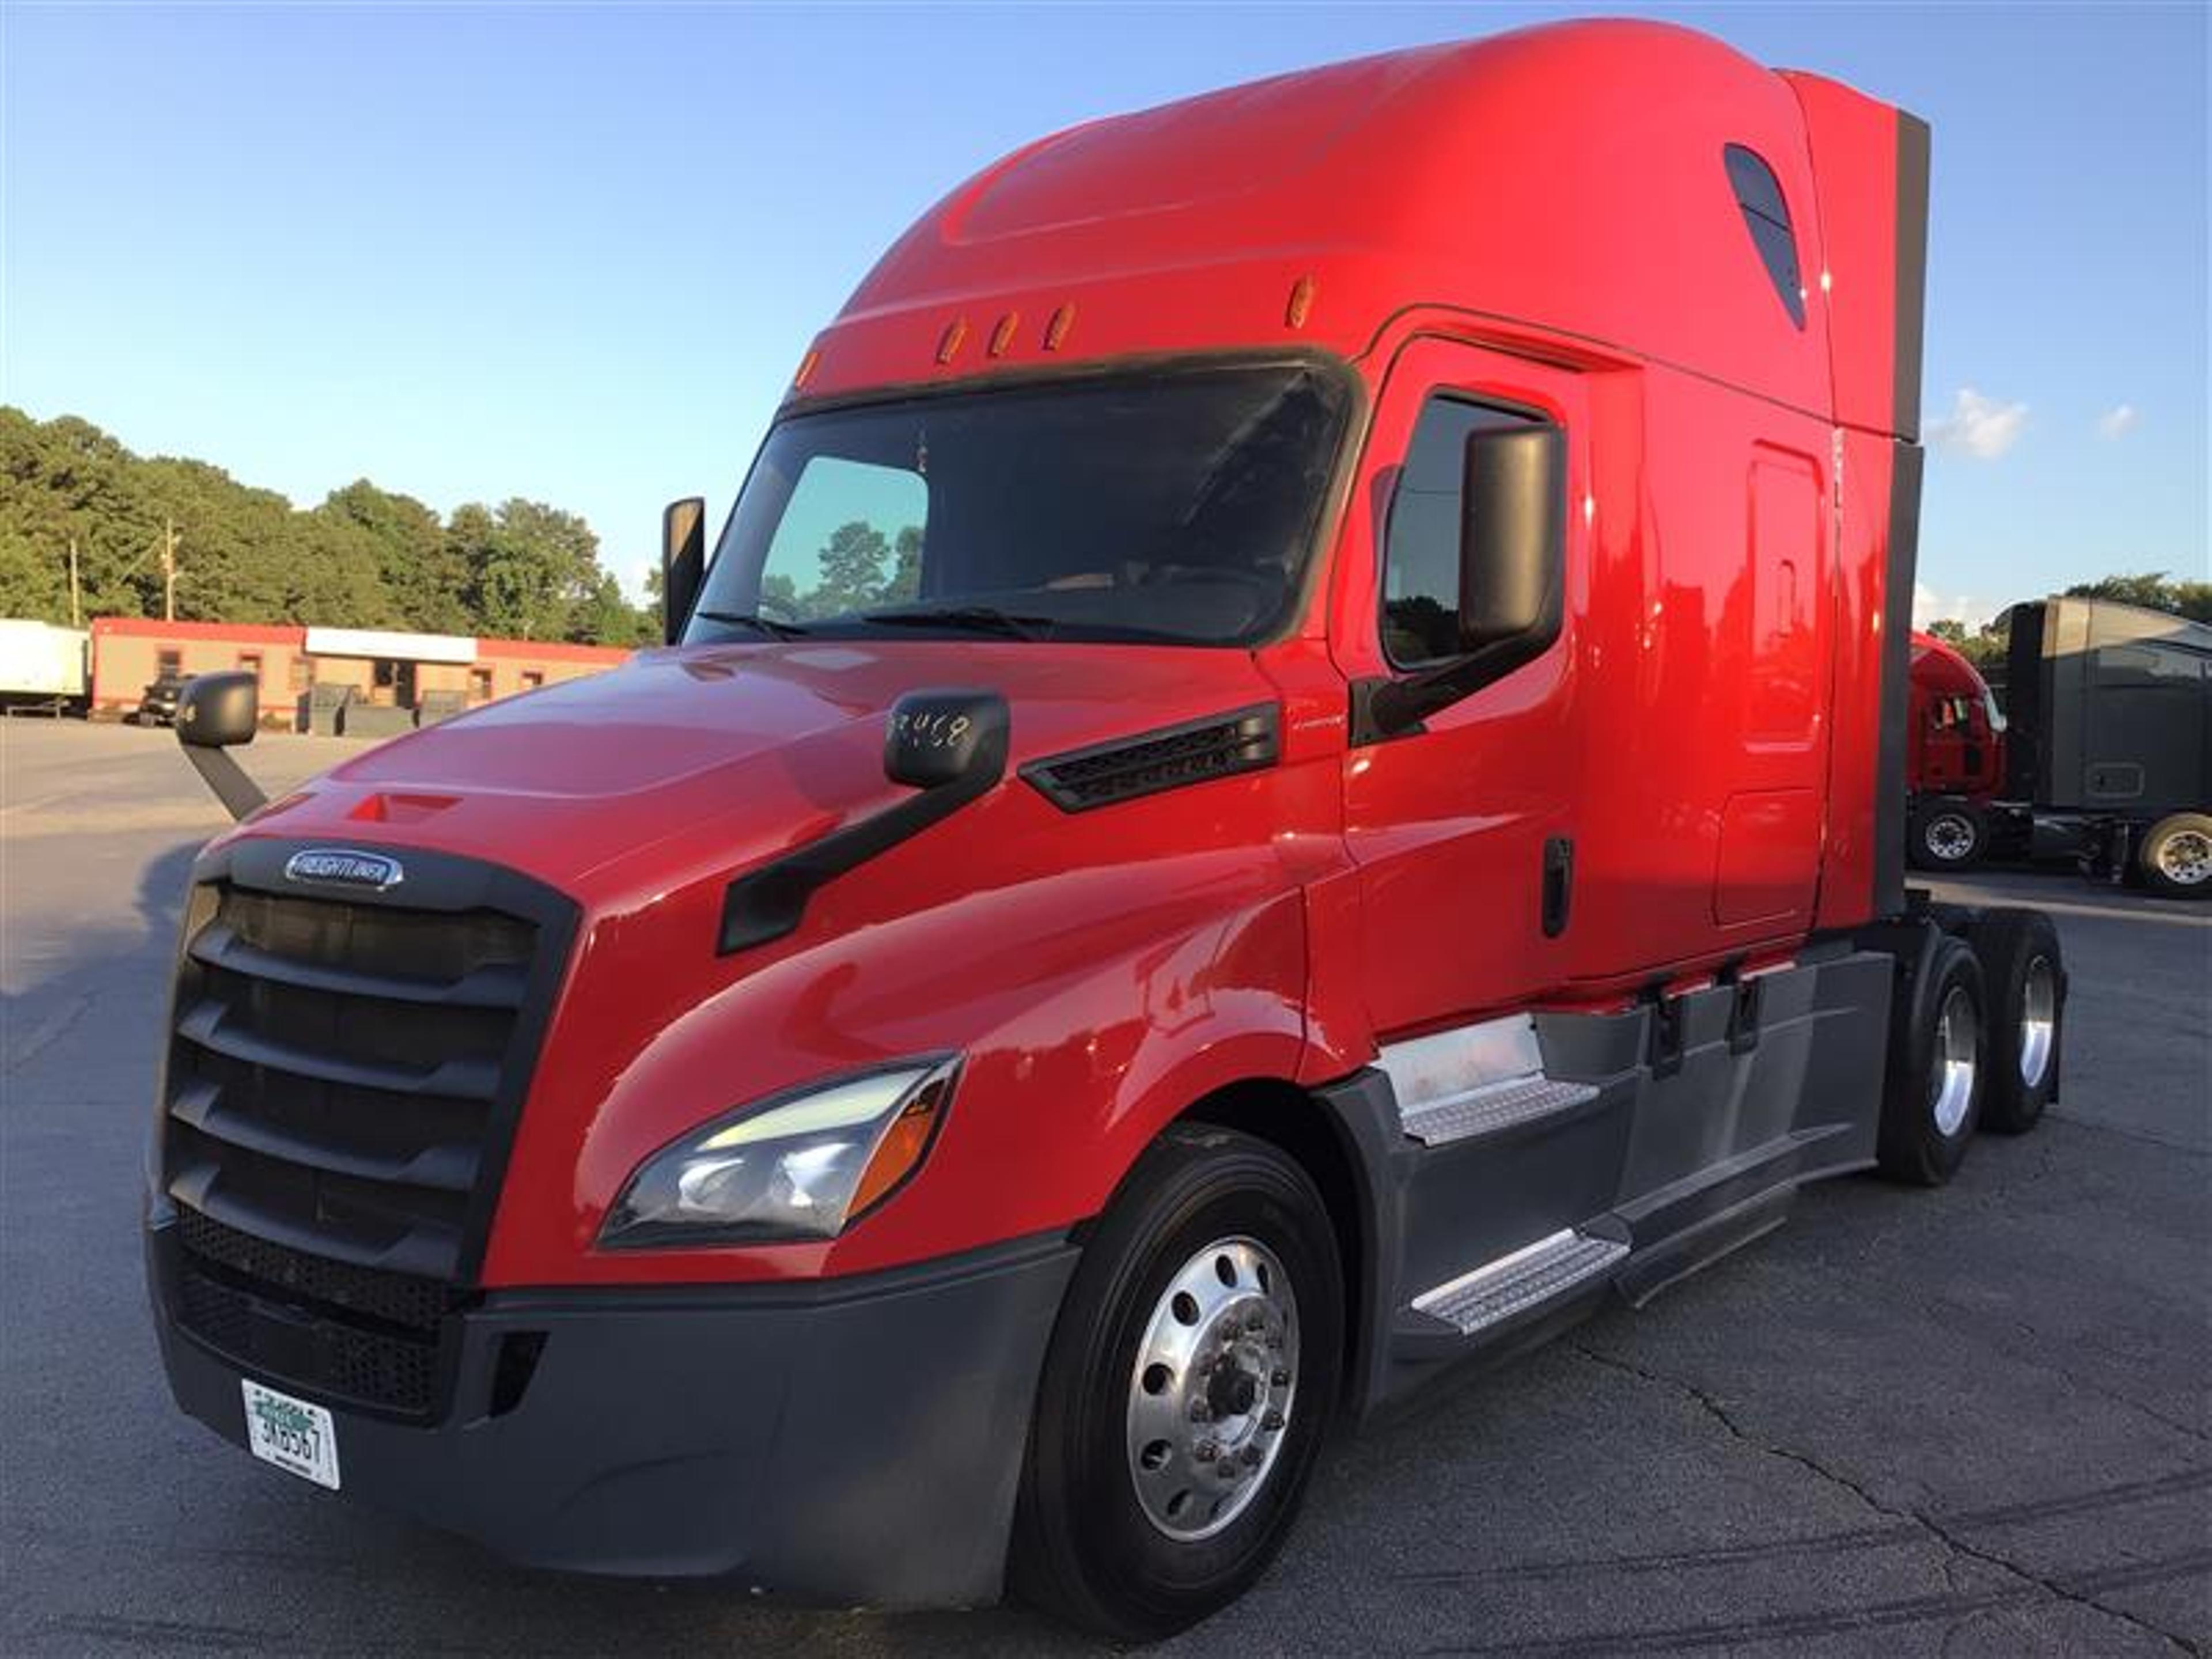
(726, 755)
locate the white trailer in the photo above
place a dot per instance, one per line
(43, 668)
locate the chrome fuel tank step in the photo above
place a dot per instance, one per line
(1545, 1272)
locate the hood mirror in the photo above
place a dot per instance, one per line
(934, 738)
(216, 713)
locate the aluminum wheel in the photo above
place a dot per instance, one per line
(2039, 1020)
(1949, 837)
(1958, 1033)
(1213, 1388)
(2184, 858)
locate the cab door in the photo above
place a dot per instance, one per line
(1461, 831)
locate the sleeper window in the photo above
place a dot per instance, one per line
(1766, 216)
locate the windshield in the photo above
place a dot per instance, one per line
(1176, 508)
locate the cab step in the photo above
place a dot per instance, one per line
(1475, 1081)
(1541, 1273)
(1492, 1107)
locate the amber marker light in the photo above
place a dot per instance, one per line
(1301, 303)
(903, 1143)
(807, 365)
(949, 343)
(1003, 334)
(1056, 330)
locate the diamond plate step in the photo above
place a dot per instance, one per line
(1541, 1273)
(1492, 1107)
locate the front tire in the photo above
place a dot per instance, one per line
(1948, 834)
(1189, 1381)
(2176, 856)
(1932, 1096)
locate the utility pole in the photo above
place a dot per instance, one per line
(76, 612)
(168, 570)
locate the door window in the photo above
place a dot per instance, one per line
(1420, 549)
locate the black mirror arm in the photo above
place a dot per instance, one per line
(1383, 708)
(240, 795)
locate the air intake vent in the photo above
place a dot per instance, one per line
(1215, 747)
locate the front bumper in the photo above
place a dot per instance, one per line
(849, 1441)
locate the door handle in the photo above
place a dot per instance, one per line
(1558, 884)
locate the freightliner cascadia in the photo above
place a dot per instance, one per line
(1287, 773)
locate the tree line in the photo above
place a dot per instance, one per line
(364, 557)
(1985, 647)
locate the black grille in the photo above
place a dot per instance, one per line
(1167, 759)
(394, 1298)
(342, 1081)
(386, 1369)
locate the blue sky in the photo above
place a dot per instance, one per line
(573, 252)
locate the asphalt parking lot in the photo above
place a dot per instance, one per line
(1971, 1422)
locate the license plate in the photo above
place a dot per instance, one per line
(292, 1434)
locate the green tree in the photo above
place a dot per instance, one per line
(532, 569)
(415, 560)
(852, 566)
(2152, 591)
(905, 584)
(364, 557)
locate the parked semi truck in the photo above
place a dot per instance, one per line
(2102, 752)
(1287, 773)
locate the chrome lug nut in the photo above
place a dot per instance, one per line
(1251, 1455)
(1281, 1378)
(1272, 1422)
(1205, 1451)
(1200, 1412)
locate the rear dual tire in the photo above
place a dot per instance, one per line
(2022, 971)
(2175, 856)
(1189, 1380)
(1932, 1092)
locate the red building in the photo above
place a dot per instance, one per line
(435, 673)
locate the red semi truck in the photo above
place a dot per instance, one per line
(1288, 771)
(2104, 754)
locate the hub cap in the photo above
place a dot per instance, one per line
(1212, 1391)
(1956, 1032)
(2184, 858)
(1950, 837)
(2039, 1020)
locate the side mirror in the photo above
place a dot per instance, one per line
(217, 711)
(682, 562)
(1512, 537)
(933, 738)
(1512, 577)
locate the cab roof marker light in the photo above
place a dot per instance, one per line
(1055, 330)
(1003, 334)
(1301, 302)
(949, 343)
(807, 365)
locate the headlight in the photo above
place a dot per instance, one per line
(805, 1165)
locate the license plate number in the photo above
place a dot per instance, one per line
(292, 1434)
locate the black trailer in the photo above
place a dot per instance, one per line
(2108, 743)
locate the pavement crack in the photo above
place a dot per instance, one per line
(1935, 1528)
(50, 1030)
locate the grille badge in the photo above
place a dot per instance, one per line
(344, 867)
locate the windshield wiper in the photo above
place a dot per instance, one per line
(968, 618)
(767, 625)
